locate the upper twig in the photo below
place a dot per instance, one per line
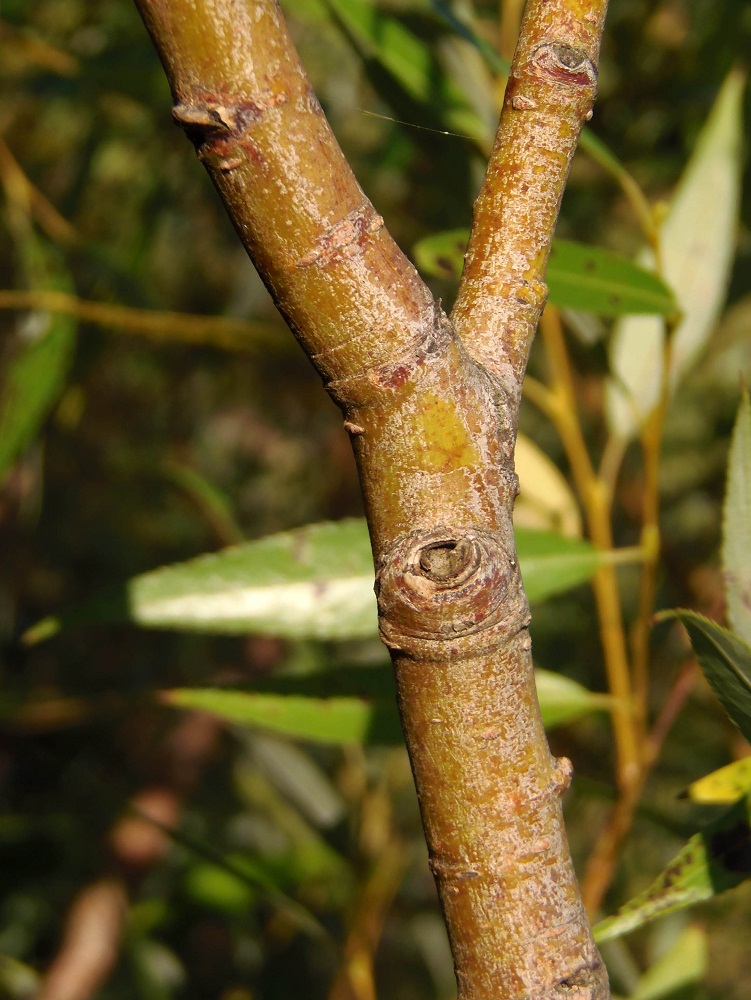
(550, 93)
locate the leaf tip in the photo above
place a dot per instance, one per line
(41, 631)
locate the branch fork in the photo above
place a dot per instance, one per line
(431, 406)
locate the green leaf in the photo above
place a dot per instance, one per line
(681, 966)
(315, 582)
(441, 255)
(724, 786)
(356, 705)
(736, 529)
(248, 870)
(602, 282)
(322, 720)
(716, 859)
(579, 276)
(215, 888)
(726, 662)
(311, 583)
(18, 981)
(552, 563)
(410, 61)
(697, 246)
(563, 700)
(34, 377)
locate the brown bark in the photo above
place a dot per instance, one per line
(432, 420)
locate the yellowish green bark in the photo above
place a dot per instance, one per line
(550, 93)
(432, 420)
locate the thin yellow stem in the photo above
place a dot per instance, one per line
(215, 331)
(23, 191)
(541, 396)
(651, 442)
(597, 506)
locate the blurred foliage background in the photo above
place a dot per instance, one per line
(296, 870)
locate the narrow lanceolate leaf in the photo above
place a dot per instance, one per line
(312, 583)
(578, 276)
(724, 786)
(552, 564)
(697, 245)
(315, 583)
(354, 705)
(33, 379)
(712, 861)
(736, 531)
(322, 720)
(598, 281)
(726, 662)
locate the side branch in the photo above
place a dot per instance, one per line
(245, 101)
(550, 93)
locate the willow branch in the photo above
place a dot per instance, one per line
(550, 93)
(433, 434)
(227, 332)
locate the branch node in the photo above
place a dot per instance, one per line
(354, 429)
(219, 128)
(564, 64)
(563, 774)
(443, 585)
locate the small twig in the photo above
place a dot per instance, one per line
(91, 944)
(596, 502)
(549, 96)
(48, 217)
(224, 332)
(604, 857)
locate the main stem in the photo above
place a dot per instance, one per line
(433, 426)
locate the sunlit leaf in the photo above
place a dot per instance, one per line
(712, 861)
(726, 662)
(18, 979)
(546, 501)
(724, 786)
(311, 583)
(633, 390)
(315, 582)
(698, 235)
(599, 281)
(215, 888)
(684, 964)
(578, 276)
(697, 245)
(33, 379)
(736, 531)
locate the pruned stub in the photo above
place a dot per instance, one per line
(442, 585)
